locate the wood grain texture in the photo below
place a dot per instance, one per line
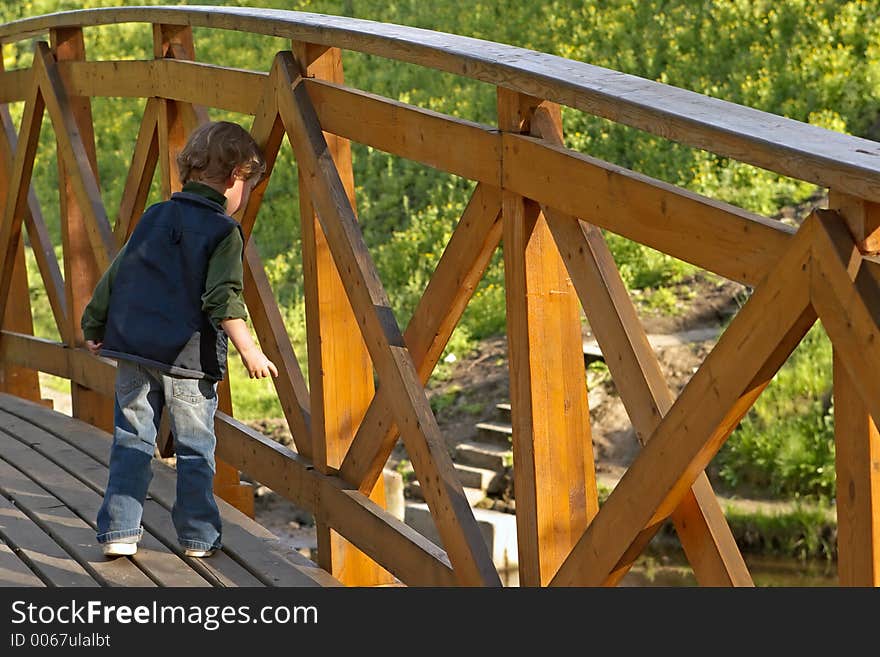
(741, 365)
(554, 474)
(427, 448)
(857, 464)
(86, 235)
(38, 232)
(793, 148)
(446, 296)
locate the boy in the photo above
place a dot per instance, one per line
(164, 310)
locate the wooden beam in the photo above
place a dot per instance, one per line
(86, 234)
(467, 149)
(71, 119)
(424, 443)
(340, 371)
(699, 520)
(464, 260)
(793, 148)
(554, 473)
(184, 81)
(14, 85)
(19, 185)
(857, 463)
(712, 235)
(38, 232)
(22, 382)
(861, 216)
(140, 173)
(396, 546)
(846, 294)
(746, 357)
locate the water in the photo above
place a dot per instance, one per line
(650, 571)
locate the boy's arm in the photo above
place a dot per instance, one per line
(94, 316)
(255, 361)
(225, 306)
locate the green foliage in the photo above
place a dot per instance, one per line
(802, 532)
(816, 61)
(785, 444)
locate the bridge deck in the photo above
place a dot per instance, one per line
(53, 469)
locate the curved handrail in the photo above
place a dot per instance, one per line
(793, 148)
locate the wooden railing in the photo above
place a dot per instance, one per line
(548, 204)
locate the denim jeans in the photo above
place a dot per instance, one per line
(141, 394)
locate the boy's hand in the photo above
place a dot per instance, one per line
(257, 365)
(94, 347)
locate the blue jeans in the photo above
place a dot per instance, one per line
(141, 394)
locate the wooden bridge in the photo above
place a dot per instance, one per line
(547, 204)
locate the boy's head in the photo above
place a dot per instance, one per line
(217, 153)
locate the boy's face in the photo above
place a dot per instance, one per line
(238, 193)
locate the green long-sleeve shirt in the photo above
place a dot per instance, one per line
(222, 298)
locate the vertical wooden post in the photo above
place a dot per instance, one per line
(340, 369)
(862, 218)
(81, 271)
(857, 442)
(16, 380)
(554, 474)
(175, 122)
(857, 460)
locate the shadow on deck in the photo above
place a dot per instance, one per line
(53, 469)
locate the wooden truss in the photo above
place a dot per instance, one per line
(549, 205)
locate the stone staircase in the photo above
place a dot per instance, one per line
(482, 465)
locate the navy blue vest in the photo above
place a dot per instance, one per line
(155, 314)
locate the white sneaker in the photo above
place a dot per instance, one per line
(201, 554)
(119, 549)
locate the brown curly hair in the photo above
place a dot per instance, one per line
(217, 150)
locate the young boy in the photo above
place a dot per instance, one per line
(164, 310)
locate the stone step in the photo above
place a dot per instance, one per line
(472, 477)
(498, 530)
(483, 455)
(503, 411)
(498, 433)
(473, 495)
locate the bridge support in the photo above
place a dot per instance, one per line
(340, 369)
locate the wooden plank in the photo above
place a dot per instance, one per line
(87, 238)
(19, 185)
(793, 148)
(66, 453)
(712, 235)
(35, 353)
(464, 148)
(266, 560)
(857, 463)
(14, 85)
(68, 530)
(230, 89)
(861, 216)
(19, 444)
(15, 379)
(340, 371)
(397, 547)
(140, 173)
(746, 357)
(846, 293)
(699, 520)
(424, 443)
(446, 296)
(36, 548)
(554, 474)
(13, 572)
(38, 232)
(72, 121)
(268, 132)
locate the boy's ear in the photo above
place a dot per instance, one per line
(230, 181)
